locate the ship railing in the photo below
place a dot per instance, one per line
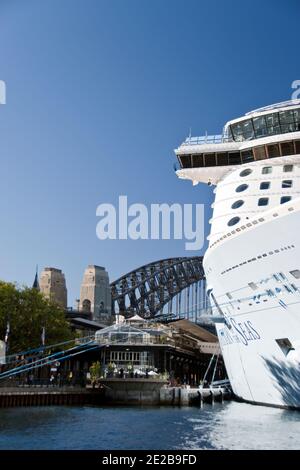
(206, 139)
(220, 383)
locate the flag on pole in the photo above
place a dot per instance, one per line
(7, 332)
(43, 336)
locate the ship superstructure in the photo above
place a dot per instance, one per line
(252, 263)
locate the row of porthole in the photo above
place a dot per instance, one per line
(244, 227)
(266, 170)
(265, 185)
(259, 257)
(262, 201)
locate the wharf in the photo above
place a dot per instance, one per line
(46, 396)
(156, 393)
(113, 392)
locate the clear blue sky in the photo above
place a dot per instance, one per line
(99, 93)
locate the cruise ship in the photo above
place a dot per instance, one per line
(252, 263)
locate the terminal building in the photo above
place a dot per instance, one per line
(137, 348)
(180, 353)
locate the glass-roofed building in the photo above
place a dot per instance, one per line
(140, 349)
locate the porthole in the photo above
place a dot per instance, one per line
(295, 273)
(263, 201)
(233, 221)
(265, 185)
(237, 204)
(246, 172)
(241, 188)
(267, 170)
(287, 184)
(285, 199)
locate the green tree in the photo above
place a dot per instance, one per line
(28, 311)
(95, 371)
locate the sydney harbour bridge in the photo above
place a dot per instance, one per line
(168, 288)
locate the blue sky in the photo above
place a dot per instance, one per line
(99, 93)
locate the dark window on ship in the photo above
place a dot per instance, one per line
(265, 185)
(241, 187)
(266, 170)
(246, 172)
(234, 158)
(269, 124)
(259, 153)
(210, 159)
(185, 161)
(287, 148)
(285, 345)
(273, 150)
(287, 168)
(198, 161)
(237, 204)
(287, 184)
(272, 119)
(243, 130)
(286, 117)
(297, 146)
(287, 123)
(295, 273)
(247, 156)
(297, 118)
(233, 221)
(263, 201)
(285, 199)
(272, 122)
(222, 158)
(260, 127)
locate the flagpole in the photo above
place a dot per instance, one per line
(7, 336)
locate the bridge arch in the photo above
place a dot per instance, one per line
(148, 289)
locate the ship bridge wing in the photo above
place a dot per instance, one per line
(209, 175)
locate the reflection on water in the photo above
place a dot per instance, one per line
(229, 426)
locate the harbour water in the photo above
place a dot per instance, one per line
(228, 426)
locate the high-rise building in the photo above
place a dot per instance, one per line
(95, 293)
(53, 286)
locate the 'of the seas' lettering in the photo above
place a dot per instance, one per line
(245, 331)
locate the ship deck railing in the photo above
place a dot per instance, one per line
(207, 139)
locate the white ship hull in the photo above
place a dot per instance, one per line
(260, 298)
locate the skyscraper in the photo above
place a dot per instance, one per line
(95, 294)
(53, 286)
